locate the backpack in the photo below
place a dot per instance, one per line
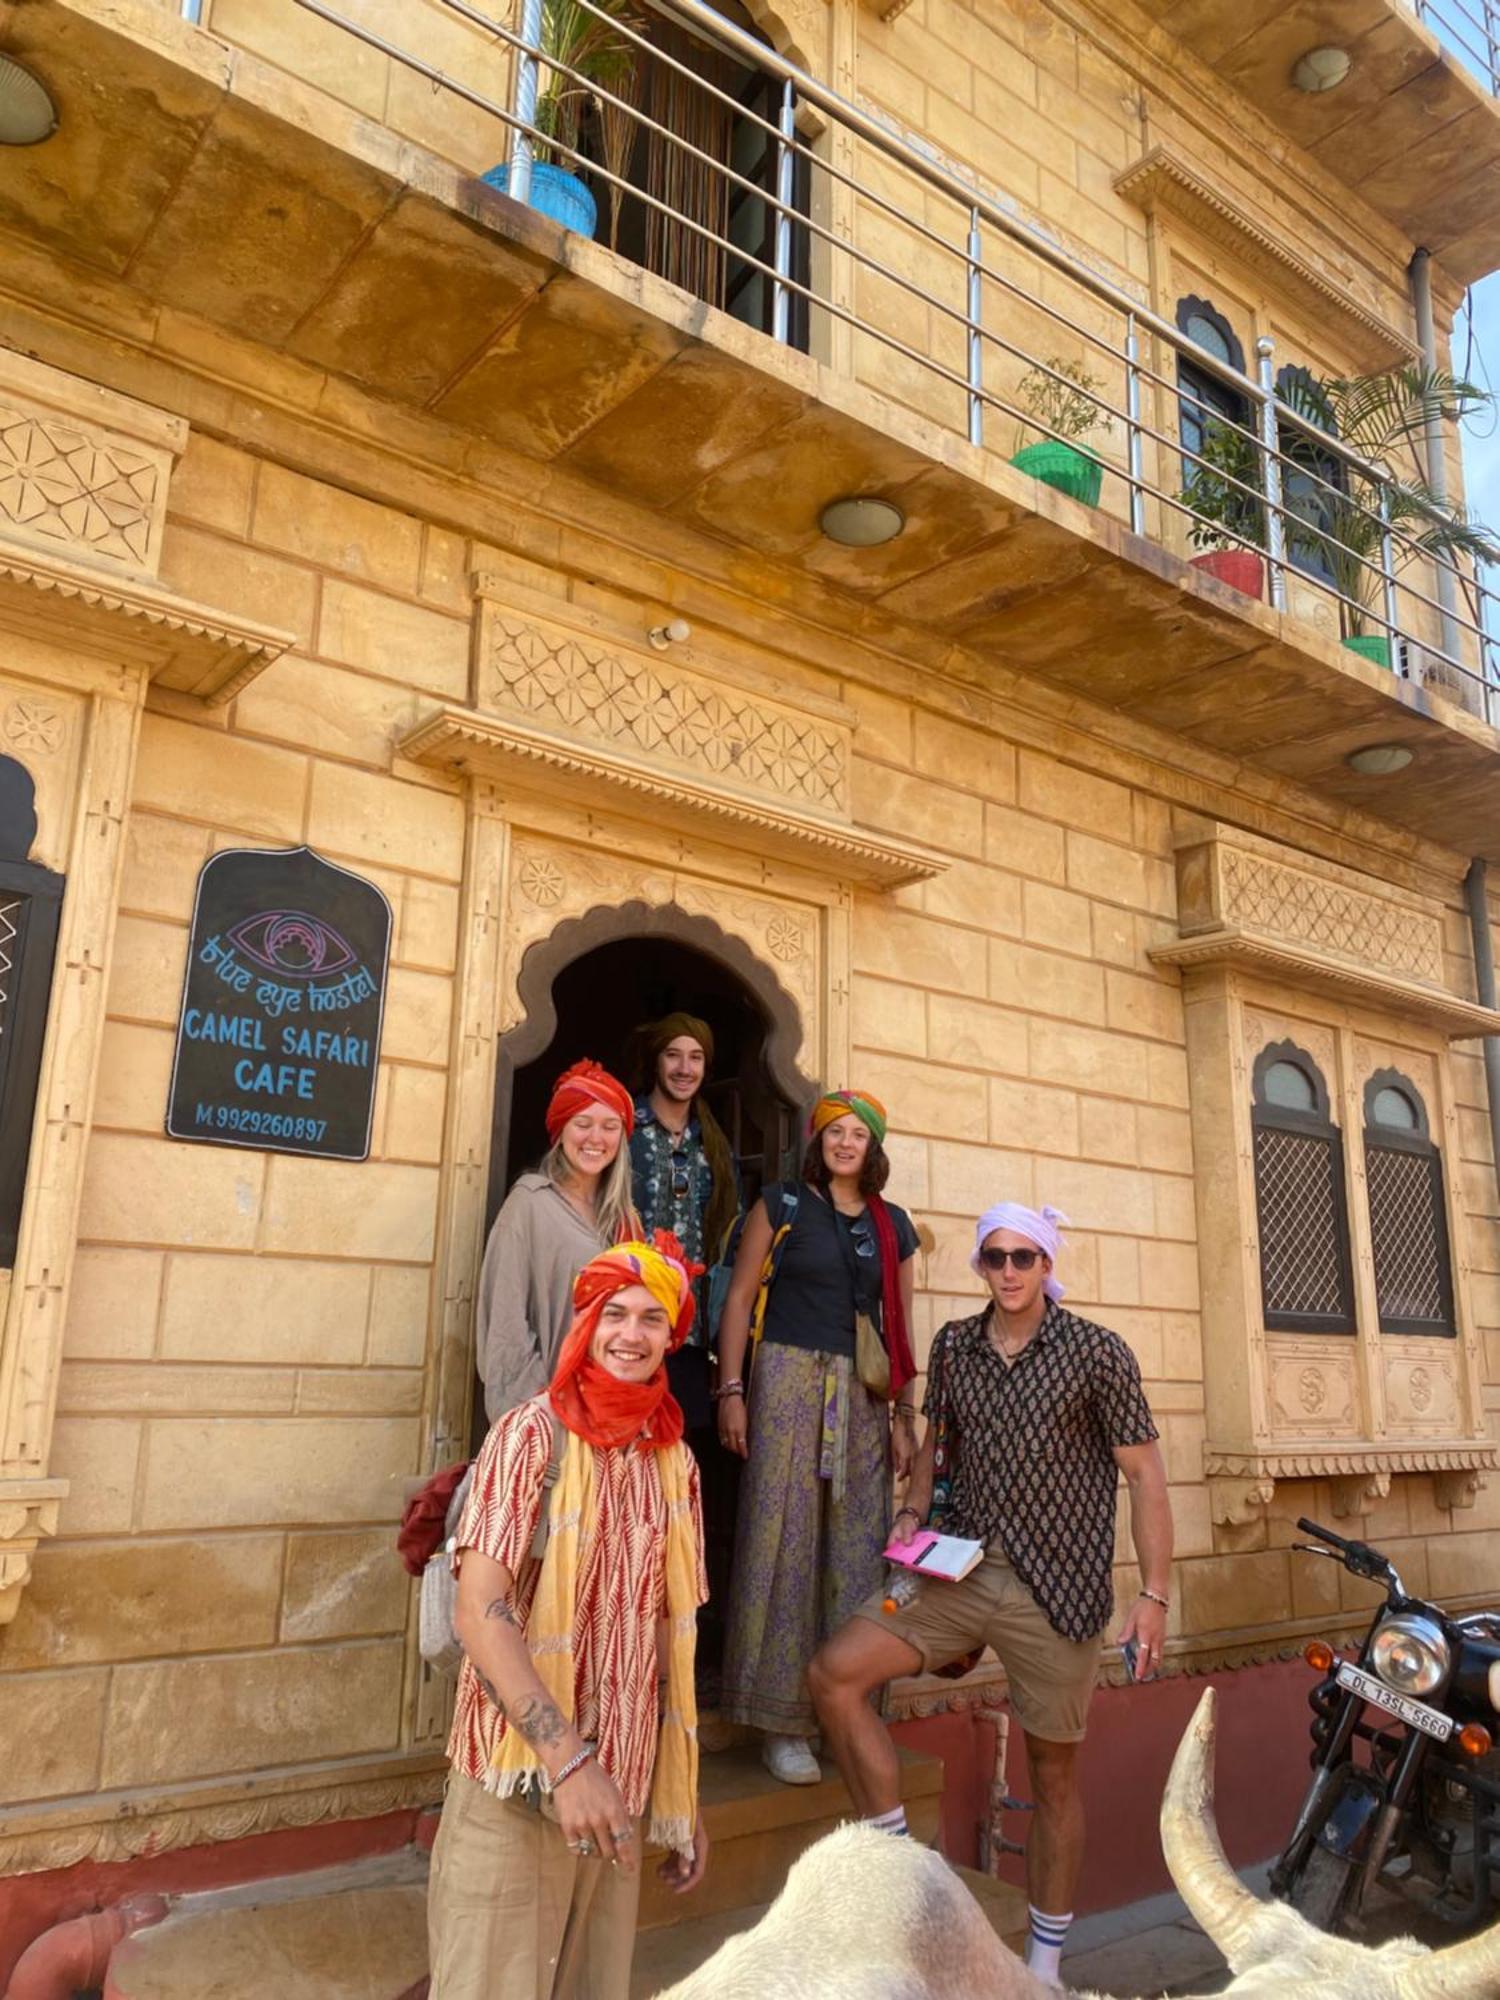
(723, 1271)
(437, 1640)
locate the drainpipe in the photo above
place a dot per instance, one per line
(1420, 273)
(1475, 894)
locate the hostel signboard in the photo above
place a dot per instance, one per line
(278, 1040)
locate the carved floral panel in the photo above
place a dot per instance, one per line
(1313, 1390)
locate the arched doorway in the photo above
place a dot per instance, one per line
(584, 989)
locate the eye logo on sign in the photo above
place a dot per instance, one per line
(292, 943)
(278, 1038)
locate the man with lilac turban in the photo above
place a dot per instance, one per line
(1032, 1414)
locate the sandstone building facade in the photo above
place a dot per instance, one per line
(340, 497)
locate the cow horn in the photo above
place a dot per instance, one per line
(1467, 1971)
(1208, 1885)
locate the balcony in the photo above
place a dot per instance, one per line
(860, 322)
(1413, 128)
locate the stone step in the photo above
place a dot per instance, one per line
(757, 1827)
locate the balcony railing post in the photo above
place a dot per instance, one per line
(1270, 473)
(976, 338)
(1133, 427)
(1387, 567)
(522, 149)
(781, 312)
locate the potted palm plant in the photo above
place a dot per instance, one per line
(1339, 521)
(1061, 398)
(573, 38)
(1222, 491)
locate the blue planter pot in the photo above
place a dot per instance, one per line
(554, 192)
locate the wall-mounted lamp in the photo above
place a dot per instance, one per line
(27, 113)
(1321, 69)
(1379, 760)
(673, 633)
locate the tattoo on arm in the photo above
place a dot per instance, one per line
(539, 1721)
(489, 1688)
(500, 1607)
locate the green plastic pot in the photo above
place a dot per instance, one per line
(1076, 473)
(1370, 646)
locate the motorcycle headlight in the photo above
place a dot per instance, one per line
(1410, 1653)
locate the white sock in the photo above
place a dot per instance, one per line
(893, 1821)
(1044, 1950)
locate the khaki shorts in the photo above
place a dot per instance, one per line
(1051, 1678)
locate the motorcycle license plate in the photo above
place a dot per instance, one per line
(1416, 1714)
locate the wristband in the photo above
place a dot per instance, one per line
(727, 1389)
(573, 1764)
(905, 1411)
(907, 1510)
(1152, 1598)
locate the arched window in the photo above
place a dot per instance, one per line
(1311, 480)
(1203, 395)
(30, 903)
(1305, 1272)
(1408, 1216)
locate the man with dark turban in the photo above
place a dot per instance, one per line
(564, 1757)
(684, 1177)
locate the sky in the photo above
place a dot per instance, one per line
(1482, 434)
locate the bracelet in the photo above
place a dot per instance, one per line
(908, 1510)
(726, 1389)
(1152, 1598)
(904, 1411)
(573, 1764)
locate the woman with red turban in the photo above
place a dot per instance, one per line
(815, 1496)
(551, 1223)
(574, 1737)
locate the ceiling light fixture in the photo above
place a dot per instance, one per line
(674, 633)
(27, 113)
(1379, 760)
(1321, 69)
(861, 521)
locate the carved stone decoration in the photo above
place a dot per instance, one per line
(33, 725)
(1423, 1393)
(28, 1513)
(1235, 1503)
(83, 472)
(1359, 1492)
(1457, 1489)
(640, 702)
(1312, 1391)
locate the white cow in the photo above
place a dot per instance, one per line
(866, 1917)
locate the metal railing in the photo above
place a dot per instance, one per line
(1471, 29)
(972, 315)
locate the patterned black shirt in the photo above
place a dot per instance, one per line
(1030, 1447)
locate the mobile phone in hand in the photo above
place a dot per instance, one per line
(1129, 1653)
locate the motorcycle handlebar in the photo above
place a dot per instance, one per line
(1323, 1534)
(1358, 1557)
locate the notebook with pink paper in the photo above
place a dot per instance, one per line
(932, 1554)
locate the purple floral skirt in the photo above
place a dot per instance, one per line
(804, 1560)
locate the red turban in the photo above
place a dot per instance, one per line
(588, 1399)
(584, 1084)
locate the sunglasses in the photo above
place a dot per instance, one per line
(681, 1183)
(996, 1260)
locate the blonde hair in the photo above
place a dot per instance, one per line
(614, 1208)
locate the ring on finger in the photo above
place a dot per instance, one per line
(620, 1834)
(585, 1847)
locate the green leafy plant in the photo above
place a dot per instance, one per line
(577, 39)
(1336, 517)
(1223, 491)
(1060, 397)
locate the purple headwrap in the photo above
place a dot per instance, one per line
(1041, 1226)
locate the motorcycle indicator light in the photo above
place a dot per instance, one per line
(1319, 1655)
(1410, 1653)
(1474, 1740)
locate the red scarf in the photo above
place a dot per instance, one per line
(591, 1402)
(893, 1325)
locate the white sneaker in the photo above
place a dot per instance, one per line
(789, 1759)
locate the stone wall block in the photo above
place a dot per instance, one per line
(328, 709)
(418, 1017)
(162, 859)
(398, 1315)
(145, 973)
(925, 1098)
(372, 818)
(346, 1585)
(1034, 1113)
(402, 642)
(140, 1190)
(1078, 799)
(1045, 982)
(268, 1471)
(364, 1208)
(235, 1712)
(326, 525)
(99, 1457)
(966, 1180)
(135, 1072)
(264, 1309)
(359, 1392)
(972, 1033)
(212, 485)
(901, 946)
(888, 1016)
(113, 1302)
(414, 1117)
(206, 775)
(1034, 847)
(52, 1726)
(250, 582)
(117, 1600)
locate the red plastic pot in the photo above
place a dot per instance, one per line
(1241, 569)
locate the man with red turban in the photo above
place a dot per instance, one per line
(565, 1756)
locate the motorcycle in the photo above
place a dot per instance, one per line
(1406, 1776)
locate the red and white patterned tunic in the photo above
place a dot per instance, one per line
(621, 1593)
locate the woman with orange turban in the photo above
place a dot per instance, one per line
(815, 1497)
(550, 1224)
(566, 1750)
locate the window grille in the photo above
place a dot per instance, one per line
(1203, 396)
(1408, 1214)
(30, 898)
(1302, 1215)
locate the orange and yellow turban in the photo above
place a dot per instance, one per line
(868, 1109)
(588, 1399)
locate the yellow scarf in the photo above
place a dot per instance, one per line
(549, 1638)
